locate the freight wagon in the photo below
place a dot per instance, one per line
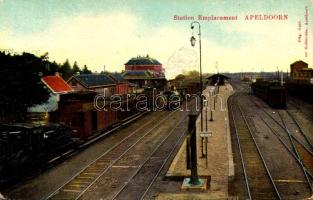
(25, 148)
(88, 116)
(303, 91)
(77, 110)
(270, 92)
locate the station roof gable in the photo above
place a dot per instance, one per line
(215, 76)
(118, 77)
(56, 84)
(143, 61)
(299, 61)
(93, 80)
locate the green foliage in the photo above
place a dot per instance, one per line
(20, 82)
(180, 77)
(192, 74)
(66, 70)
(86, 70)
(52, 68)
(75, 68)
(188, 76)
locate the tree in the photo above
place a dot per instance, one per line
(193, 74)
(75, 68)
(21, 87)
(53, 67)
(86, 70)
(66, 70)
(180, 77)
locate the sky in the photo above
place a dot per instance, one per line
(108, 33)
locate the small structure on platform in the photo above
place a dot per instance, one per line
(193, 182)
(217, 169)
(200, 186)
(217, 78)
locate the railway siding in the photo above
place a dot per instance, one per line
(259, 183)
(294, 185)
(82, 181)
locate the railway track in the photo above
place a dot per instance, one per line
(73, 151)
(121, 166)
(291, 136)
(305, 109)
(258, 179)
(285, 120)
(150, 169)
(299, 148)
(81, 182)
(98, 136)
(302, 132)
(132, 178)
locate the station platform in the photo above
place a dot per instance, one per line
(220, 166)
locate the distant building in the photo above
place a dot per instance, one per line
(144, 72)
(145, 63)
(100, 83)
(300, 72)
(56, 86)
(122, 86)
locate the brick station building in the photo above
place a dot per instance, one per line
(144, 72)
(300, 72)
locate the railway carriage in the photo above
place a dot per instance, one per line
(78, 111)
(270, 92)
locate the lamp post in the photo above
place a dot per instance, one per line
(193, 43)
(194, 181)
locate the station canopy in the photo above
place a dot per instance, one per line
(217, 78)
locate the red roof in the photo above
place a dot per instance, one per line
(56, 84)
